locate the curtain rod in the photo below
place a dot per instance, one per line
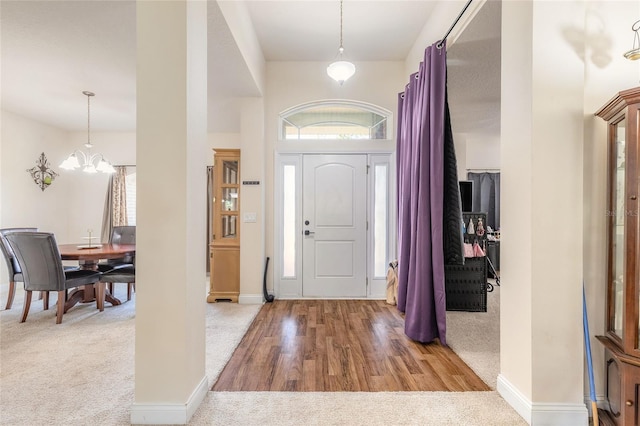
(484, 170)
(441, 42)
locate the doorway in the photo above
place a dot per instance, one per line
(333, 225)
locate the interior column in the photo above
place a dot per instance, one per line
(541, 351)
(172, 154)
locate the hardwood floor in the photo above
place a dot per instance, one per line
(340, 345)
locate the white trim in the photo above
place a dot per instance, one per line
(337, 102)
(601, 402)
(559, 414)
(514, 398)
(166, 414)
(250, 299)
(548, 414)
(378, 285)
(366, 106)
(289, 286)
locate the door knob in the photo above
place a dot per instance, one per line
(307, 232)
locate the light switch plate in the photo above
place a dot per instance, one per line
(249, 217)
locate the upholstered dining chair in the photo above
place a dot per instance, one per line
(15, 274)
(121, 235)
(120, 274)
(42, 270)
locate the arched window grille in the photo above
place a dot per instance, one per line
(334, 119)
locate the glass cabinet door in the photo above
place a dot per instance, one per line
(229, 200)
(229, 172)
(227, 197)
(617, 232)
(228, 228)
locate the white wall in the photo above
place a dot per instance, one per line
(252, 167)
(556, 222)
(476, 153)
(541, 265)
(516, 208)
(481, 153)
(23, 202)
(608, 35)
(223, 140)
(554, 149)
(237, 17)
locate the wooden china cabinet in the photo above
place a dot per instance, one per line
(224, 253)
(622, 340)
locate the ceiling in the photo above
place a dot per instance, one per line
(53, 50)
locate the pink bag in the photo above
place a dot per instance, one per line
(468, 250)
(477, 251)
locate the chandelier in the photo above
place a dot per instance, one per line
(341, 70)
(90, 163)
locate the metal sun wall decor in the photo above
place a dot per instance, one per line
(42, 175)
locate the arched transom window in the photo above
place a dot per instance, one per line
(334, 119)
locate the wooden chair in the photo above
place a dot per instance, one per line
(42, 270)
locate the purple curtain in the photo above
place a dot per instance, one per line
(420, 168)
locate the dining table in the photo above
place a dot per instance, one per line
(88, 256)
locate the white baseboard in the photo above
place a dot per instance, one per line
(250, 299)
(514, 398)
(559, 414)
(169, 414)
(601, 402)
(547, 414)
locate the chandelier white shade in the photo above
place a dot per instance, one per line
(341, 70)
(88, 162)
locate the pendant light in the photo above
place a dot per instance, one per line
(634, 53)
(91, 163)
(341, 70)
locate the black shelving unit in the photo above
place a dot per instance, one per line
(466, 285)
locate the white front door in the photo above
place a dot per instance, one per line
(334, 224)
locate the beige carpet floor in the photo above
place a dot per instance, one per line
(475, 337)
(69, 374)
